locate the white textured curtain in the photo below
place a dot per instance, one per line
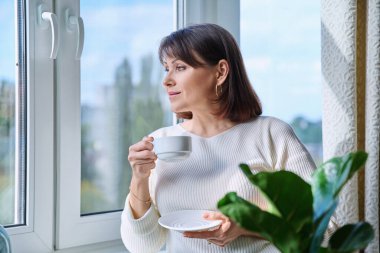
(351, 101)
(372, 115)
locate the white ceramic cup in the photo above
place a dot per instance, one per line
(172, 148)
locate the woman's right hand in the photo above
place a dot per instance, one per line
(142, 158)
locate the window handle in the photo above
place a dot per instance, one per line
(77, 22)
(52, 18)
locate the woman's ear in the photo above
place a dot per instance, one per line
(222, 71)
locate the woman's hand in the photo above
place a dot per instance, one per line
(224, 234)
(142, 158)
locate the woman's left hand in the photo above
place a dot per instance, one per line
(223, 235)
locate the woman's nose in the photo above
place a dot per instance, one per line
(168, 81)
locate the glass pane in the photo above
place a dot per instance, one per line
(280, 44)
(122, 99)
(7, 115)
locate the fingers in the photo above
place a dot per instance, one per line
(210, 233)
(225, 226)
(226, 223)
(215, 216)
(144, 144)
(142, 150)
(221, 236)
(216, 234)
(141, 157)
(216, 242)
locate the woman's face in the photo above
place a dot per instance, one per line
(189, 89)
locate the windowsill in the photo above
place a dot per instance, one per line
(116, 246)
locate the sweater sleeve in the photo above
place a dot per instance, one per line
(293, 156)
(144, 234)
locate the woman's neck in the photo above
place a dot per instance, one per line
(207, 125)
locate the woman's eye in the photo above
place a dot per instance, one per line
(180, 67)
(166, 69)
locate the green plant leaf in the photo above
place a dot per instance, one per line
(298, 213)
(248, 173)
(330, 177)
(351, 237)
(320, 227)
(327, 182)
(325, 250)
(287, 193)
(269, 226)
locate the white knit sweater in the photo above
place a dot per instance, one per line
(265, 144)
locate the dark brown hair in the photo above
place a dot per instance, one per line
(212, 43)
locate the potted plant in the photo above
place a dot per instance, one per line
(299, 212)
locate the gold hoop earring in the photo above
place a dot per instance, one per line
(217, 90)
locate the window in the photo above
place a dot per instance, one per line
(12, 121)
(66, 122)
(106, 101)
(280, 44)
(77, 175)
(122, 98)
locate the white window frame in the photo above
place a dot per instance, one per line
(72, 229)
(37, 234)
(225, 13)
(53, 223)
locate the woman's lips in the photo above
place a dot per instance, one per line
(173, 93)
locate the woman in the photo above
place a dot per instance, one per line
(208, 86)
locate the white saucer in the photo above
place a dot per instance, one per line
(188, 220)
(174, 156)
